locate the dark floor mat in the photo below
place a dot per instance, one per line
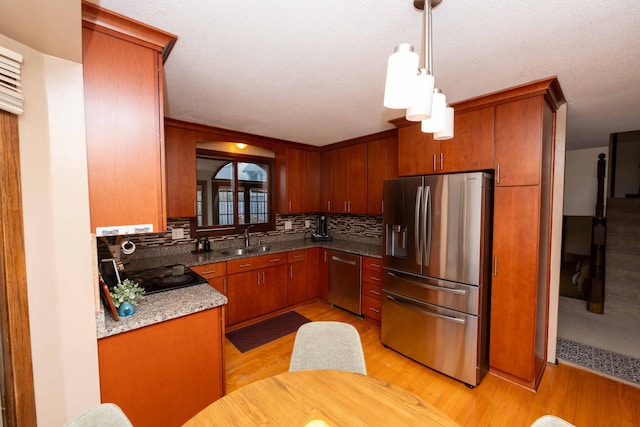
(264, 332)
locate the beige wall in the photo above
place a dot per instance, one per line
(58, 245)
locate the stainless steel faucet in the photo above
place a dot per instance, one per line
(246, 236)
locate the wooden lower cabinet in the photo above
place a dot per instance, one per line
(517, 343)
(297, 290)
(371, 288)
(215, 273)
(313, 269)
(163, 374)
(323, 273)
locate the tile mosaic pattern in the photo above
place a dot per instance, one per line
(597, 359)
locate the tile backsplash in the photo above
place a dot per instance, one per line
(362, 228)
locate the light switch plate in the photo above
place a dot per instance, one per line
(177, 233)
(307, 223)
(288, 225)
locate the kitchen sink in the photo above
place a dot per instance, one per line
(244, 251)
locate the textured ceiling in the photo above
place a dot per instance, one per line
(314, 71)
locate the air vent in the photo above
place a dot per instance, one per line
(11, 97)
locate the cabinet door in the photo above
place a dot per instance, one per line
(323, 273)
(244, 291)
(518, 142)
(382, 163)
(313, 272)
(297, 282)
(357, 169)
(326, 171)
(273, 289)
(514, 282)
(312, 187)
(418, 153)
(471, 148)
(180, 147)
(340, 180)
(125, 153)
(296, 180)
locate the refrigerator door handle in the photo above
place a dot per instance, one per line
(417, 240)
(460, 320)
(432, 287)
(426, 225)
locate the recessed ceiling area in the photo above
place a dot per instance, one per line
(314, 72)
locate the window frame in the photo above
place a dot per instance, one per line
(236, 228)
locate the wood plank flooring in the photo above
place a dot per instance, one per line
(578, 396)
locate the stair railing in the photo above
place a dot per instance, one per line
(595, 300)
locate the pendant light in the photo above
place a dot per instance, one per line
(412, 88)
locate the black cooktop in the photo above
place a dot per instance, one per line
(164, 278)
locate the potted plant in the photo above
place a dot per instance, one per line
(125, 297)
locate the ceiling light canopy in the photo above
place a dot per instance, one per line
(412, 87)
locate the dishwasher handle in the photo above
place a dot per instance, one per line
(426, 312)
(343, 260)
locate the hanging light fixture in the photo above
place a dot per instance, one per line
(412, 87)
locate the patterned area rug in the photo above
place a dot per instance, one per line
(252, 336)
(597, 359)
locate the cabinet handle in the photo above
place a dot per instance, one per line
(298, 256)
(374, 292)
(291, 271)
(375, 279)
(498, 174)
(441, 161)
(195, 207)
(274, 260)
(329, 205)
(345, 206)
(376, 265)
(495, 267)
(264, 282)
(435, 167)
(244, 265)
(349, 204)
(208, 272)
(289, 205)
(374, 310)
(325, 256)
(259, 278)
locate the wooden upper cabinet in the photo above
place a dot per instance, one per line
(180, 146)
(518, 142)
(418, 152)
(382, 163)
(471, 147)
(326, 169)
(297, 181)
(349, 180)
(122, 74)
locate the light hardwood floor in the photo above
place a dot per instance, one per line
(578, 396)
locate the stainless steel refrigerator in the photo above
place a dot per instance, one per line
(437, 262)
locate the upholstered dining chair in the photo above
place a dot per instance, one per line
(327, 345)
(551, 421)
(103, 415)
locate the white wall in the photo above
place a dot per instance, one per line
(581, 181)
(58, 245)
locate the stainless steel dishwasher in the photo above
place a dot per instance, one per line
(345, 287)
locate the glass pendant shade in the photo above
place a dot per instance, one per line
(436, 122)
(402, 72)
(447, 132)
(421, 108)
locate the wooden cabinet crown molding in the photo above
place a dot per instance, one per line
(548, 87)
(159, 40)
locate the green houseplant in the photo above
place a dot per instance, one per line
(125, 297)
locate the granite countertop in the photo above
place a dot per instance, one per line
(175, 303)
(159, 307)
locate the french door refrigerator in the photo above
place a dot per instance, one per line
(437, 262)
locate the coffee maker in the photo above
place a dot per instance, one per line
(321, 234)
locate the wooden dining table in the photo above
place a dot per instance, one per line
(320, 398)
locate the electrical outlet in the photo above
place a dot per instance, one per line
(288, 225)
(177, 233)
(307, 223)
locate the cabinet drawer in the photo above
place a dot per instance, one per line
(295, 256)
(253, 263)
(371, 307)
(371, 263)
(209, 271)
(372, 276)
(371, 290)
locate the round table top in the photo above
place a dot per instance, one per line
(320, 397)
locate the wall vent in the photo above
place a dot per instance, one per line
(11, 97)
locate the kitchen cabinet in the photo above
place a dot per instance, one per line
(471, 149)
(256, 286)
(371, 288)
(323, 273)
(326, 162)
(313, 268)
(382, 163)
(297, 287)
(298, 181)
(180, 146)
(524, 153)
(215, 273)
(348, 180)
(165, 373)
(123, 80)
